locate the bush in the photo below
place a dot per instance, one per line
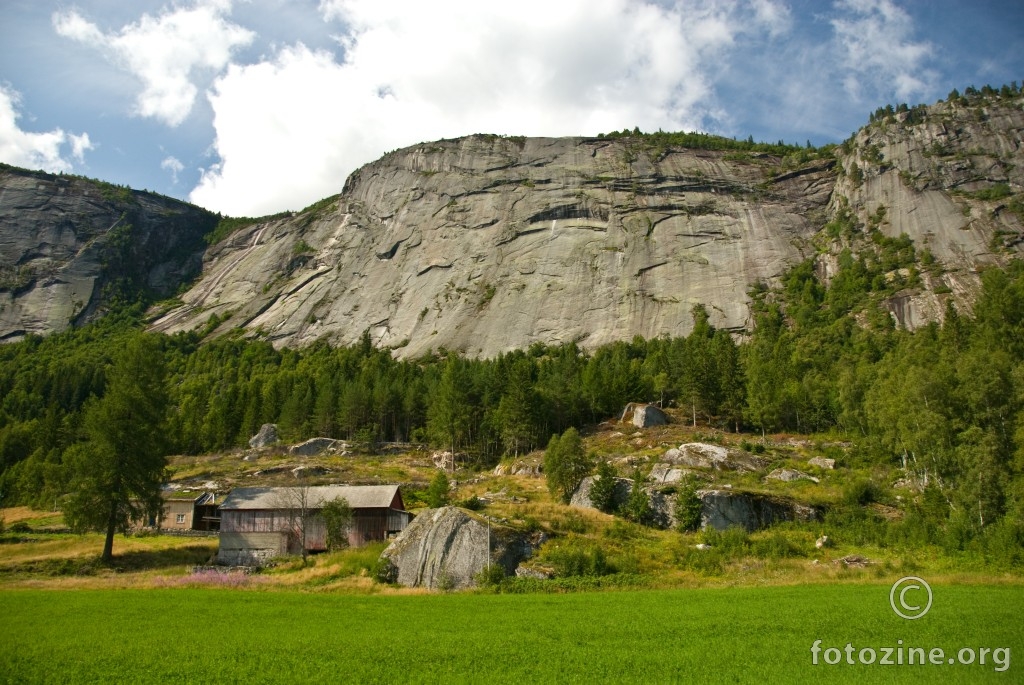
(20, 527)
(602, 492)
(688, 506)
(861, 492)
(384, 572)
(638, 507)
(437, 493)
(472, 503)
(574, 561)
(565, 464)
(490, 576)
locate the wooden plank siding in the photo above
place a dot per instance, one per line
(368, 525)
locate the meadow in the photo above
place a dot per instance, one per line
(744, 634)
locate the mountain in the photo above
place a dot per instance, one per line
(486, 243)
(71, 247)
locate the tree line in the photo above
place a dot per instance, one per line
(945, 401)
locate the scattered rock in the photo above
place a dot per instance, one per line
(823, 542)
(790, 475)
(269, 471)
(855, 560)
(445, 548)
(704, 456)
(519, 468)
(533, 572)
(702, 546)
(822, 463)
(307, 471)
(265, 437)
(443, 460)
(644, 415)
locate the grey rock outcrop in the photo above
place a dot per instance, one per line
(68, 246)
(265, 437)
(704, 456)
(722, 509)
(312, 447)
(445, 548)
(667, 473)
(519, 468)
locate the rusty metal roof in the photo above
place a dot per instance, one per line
(358, 497)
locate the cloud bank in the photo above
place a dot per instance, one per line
(36, 150)
(165, 52)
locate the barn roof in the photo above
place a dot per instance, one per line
(358, 497)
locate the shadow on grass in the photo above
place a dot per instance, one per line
(142, 560)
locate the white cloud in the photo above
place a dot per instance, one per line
(165, 52)
(290, 128)
(173, 165)
(878, 51)
(35, 150)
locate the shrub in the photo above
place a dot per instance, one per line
(861, 492)
(437, 493)
(384, 572)
(688, 506)
(565, 464)
(638, 507)
(490, 576)
(20, 527)
(602, 492)
(473, 503)
(575, 561)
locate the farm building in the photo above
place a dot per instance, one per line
(257, 524)
(187, 510)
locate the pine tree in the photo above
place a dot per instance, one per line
(119, 467)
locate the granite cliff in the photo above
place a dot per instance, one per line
(70, 247)
(486, 243)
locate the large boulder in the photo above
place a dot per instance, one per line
(704, 456)
(722, 509)
(266, 436)
(312, 447)
(446, 548)
(644, 415)
(581, 495)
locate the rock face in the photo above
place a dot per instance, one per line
(486, 244)
(722, 509)
(445, 548)
(266, 436)
(704, 456)
(644, 415)
(69, 245)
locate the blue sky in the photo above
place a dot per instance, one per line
(253, 107)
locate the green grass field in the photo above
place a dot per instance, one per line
(761, 635)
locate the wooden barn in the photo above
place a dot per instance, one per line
(257, 524)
